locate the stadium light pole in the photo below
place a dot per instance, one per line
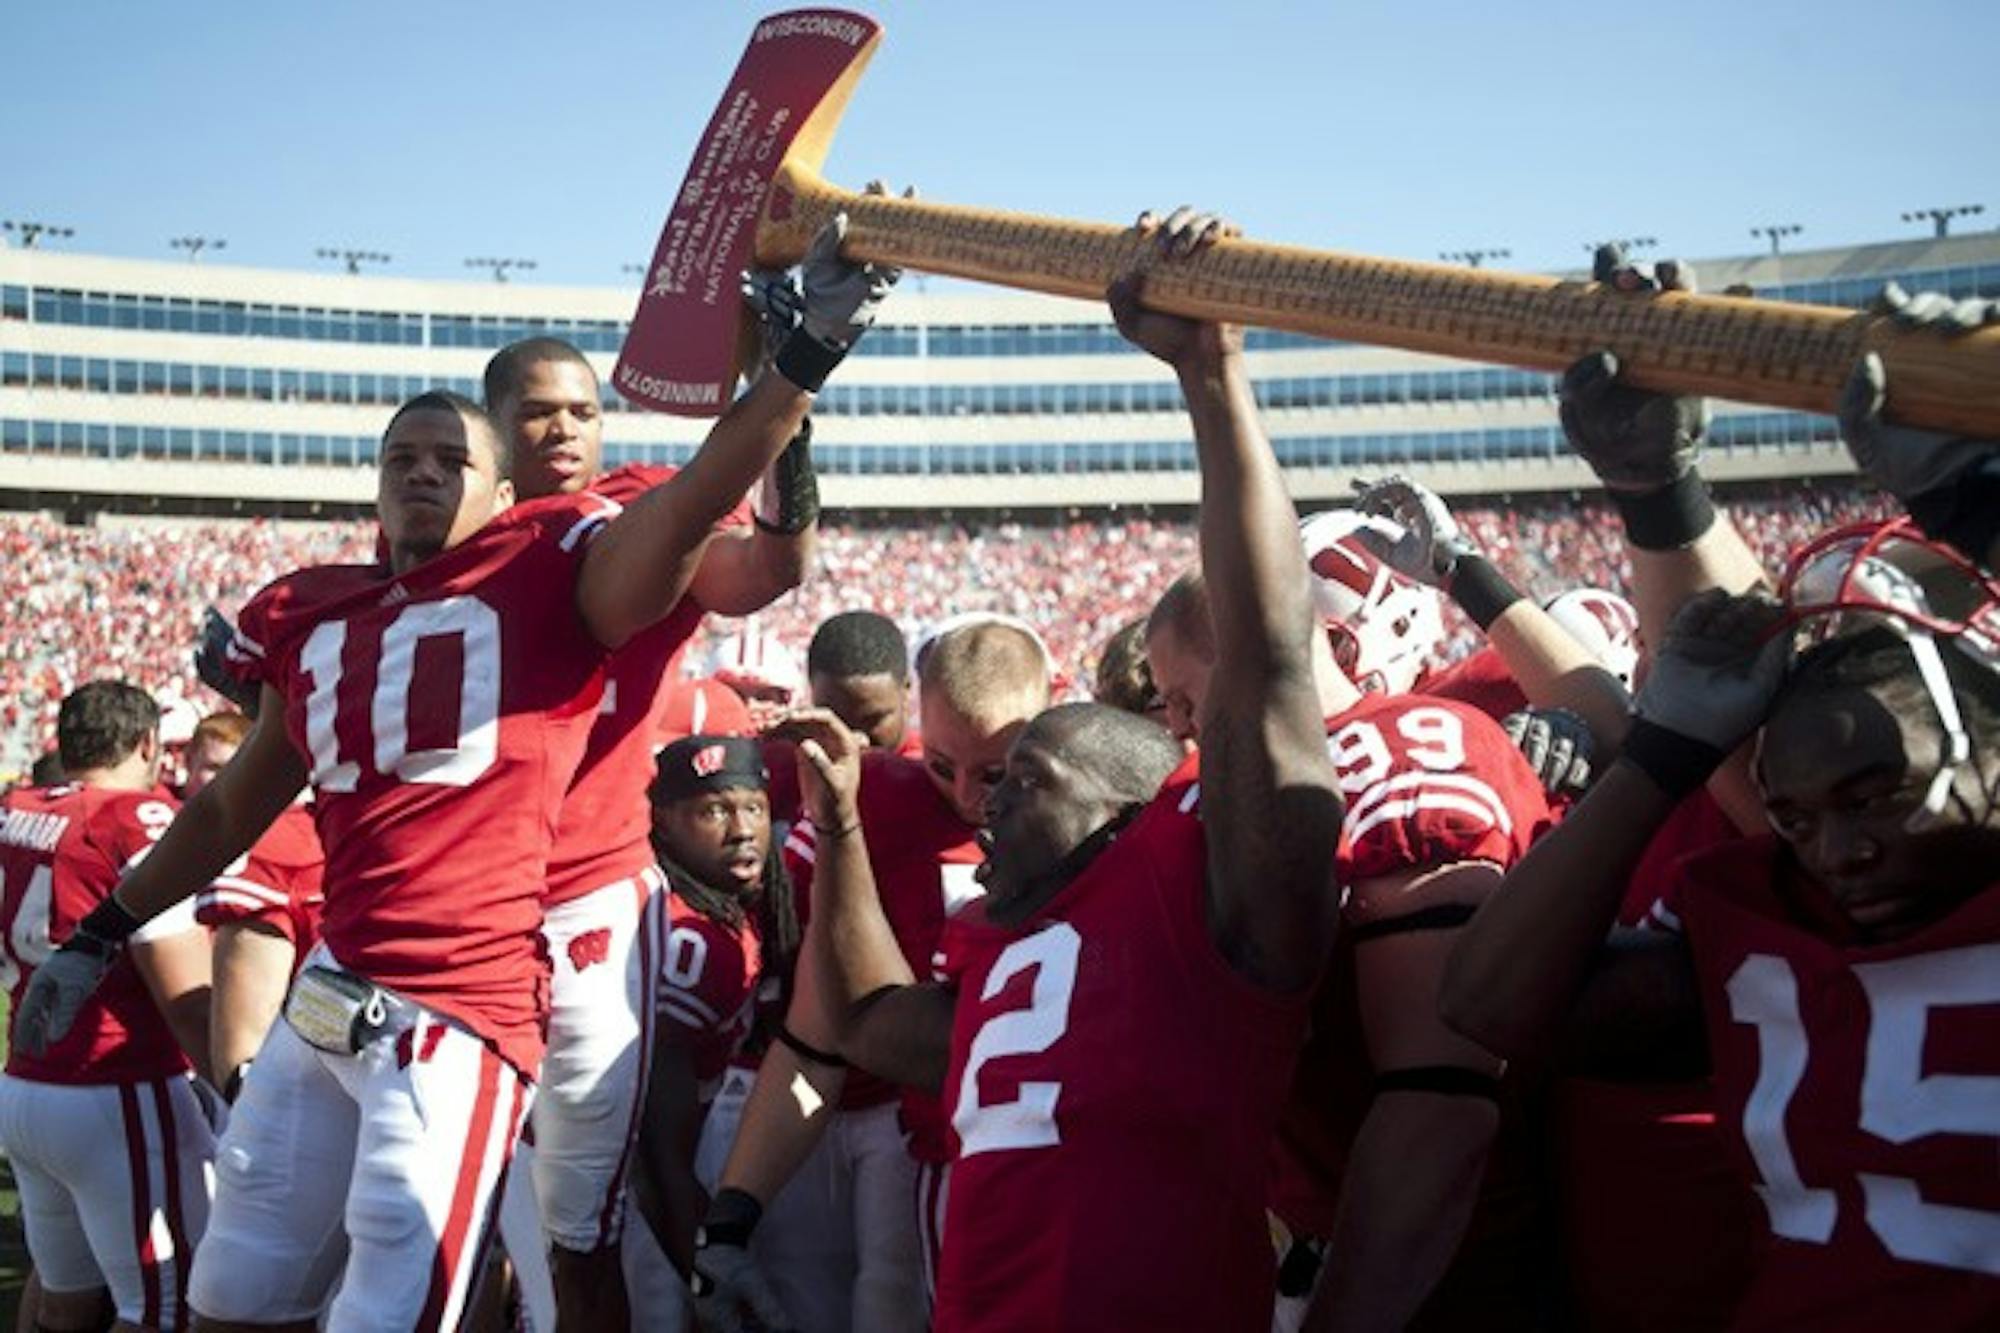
(1629, 244)
(1940, 218)
(354, 259)
(194, 245)
(501, 267)
(633, 270)
(1473, 258)
(1777, 232)
(31, 233)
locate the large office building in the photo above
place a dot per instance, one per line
(127, 384)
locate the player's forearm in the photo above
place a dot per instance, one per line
(669, 1197)
(854, 950)
(744, 572)
(1259, 599)
(176, 971)
(1522, 960)
(221, 823)
(788, 1110)
(253, 969)
(643, 562)
(1555, 671)
(1663, 580)
(1405, 1203)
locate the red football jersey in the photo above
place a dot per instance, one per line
(1481, 681)
(602, 836)
(443, 712)
(709, 975)
(62, 851)
(278, 882)
(923, 857)
(1428, 782)
(1860, 1085)
(1114, 1086)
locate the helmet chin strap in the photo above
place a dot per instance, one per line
(1958, 745)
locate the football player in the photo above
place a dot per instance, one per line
(1121, 1011)
(1386, 1141)
(440, 704)
(1833, 969)
(601, 878)
(843, 1247)
(858, 665)
(108, 1139)
(730, 924)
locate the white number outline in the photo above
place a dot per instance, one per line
(477, 626)
(1899, 1103)
(1029, 1120)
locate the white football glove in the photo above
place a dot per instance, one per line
(1432, 542)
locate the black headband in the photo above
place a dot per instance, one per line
(696, 764)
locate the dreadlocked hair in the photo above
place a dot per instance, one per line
(774, 902)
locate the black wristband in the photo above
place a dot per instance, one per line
(1445, 1080)
(1964, 514)
(793, 486)
(1678, 764)
(806, 1052)
(1670, 518)
(105, 929)
(732, 1217)
(806, 361)
(1481, 590)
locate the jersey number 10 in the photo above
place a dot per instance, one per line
(477, 627)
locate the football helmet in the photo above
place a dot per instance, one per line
(755, 663)
(1889, 574)
(1605, 624)
(1384, 626)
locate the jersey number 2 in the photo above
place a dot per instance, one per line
(1028, 1121)
(477, 627)
(1899, 1102)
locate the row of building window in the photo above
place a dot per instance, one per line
(41, 370)
(74, 439)
(175, 314)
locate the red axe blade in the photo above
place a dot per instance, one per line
(680, 353)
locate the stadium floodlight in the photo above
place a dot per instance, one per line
(1777, 232)
(194, 245)
(1473, 258)
(1631, 245)
(1940, 218)
(31, 233)
(354, 259)
(633, 270)
(501, 267)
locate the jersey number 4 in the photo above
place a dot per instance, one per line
(477, 628)
(1029, 1120)
(1899, 1102)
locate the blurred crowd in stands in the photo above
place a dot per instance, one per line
(82, 603)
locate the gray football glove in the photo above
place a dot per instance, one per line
(1633, 439)
(732, 1295)
(60, 988)
(1721, 666)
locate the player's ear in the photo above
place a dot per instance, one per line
(503, 495)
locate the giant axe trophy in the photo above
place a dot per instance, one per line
(753, 194)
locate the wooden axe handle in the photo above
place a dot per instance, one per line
(1777, 353)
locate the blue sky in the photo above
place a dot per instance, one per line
(444, 129)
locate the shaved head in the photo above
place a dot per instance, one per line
(1127, 756)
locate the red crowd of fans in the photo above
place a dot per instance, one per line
(126, 601)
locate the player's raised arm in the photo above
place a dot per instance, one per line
(1520, 965)
(642, 563)
(878, 1014)
(1271, 808)
(221, 823)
